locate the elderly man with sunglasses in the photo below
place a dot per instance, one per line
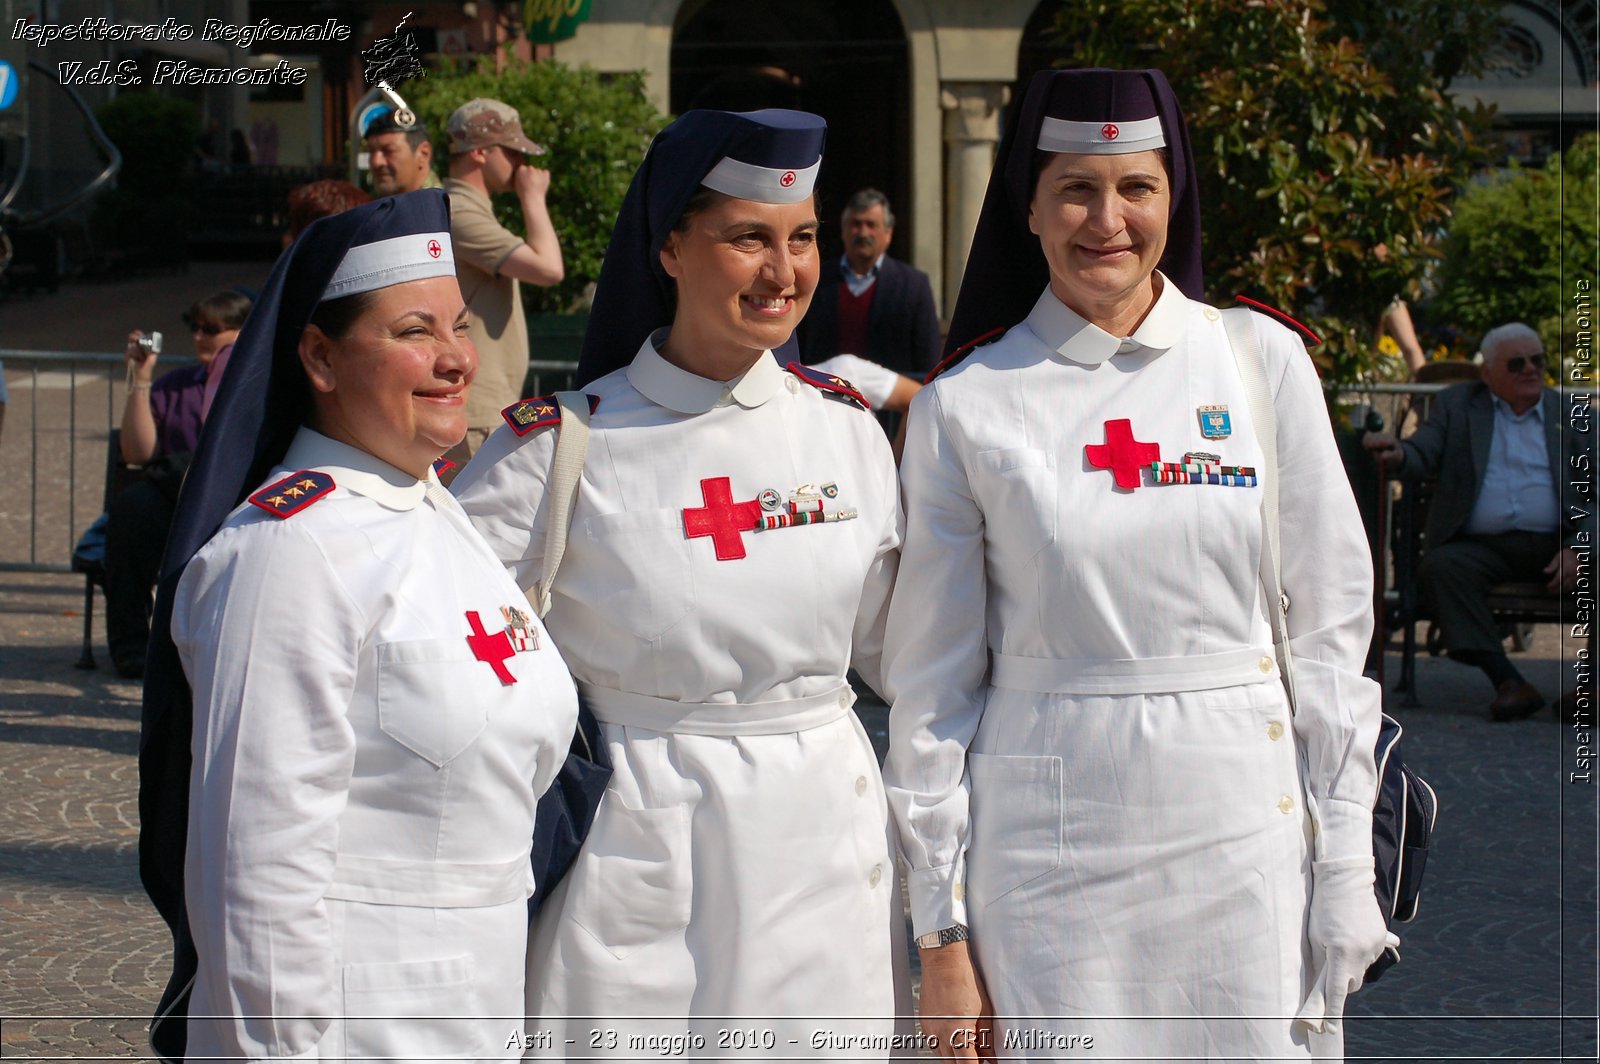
(1498, 447)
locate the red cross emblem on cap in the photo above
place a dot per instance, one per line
(787, 179)
(434, 249)
(1110, 131)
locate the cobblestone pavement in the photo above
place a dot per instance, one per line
(1504, 948)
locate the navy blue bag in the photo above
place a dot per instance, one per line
(566, 811)
(1402, 828)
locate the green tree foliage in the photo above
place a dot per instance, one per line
(1328, 151)
(596, 129)
(156, 136)
(1519, 242)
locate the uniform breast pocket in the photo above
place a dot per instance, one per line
(640, 578)
(1017, 489)
(434, 696)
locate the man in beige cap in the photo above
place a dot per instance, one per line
(489, 153)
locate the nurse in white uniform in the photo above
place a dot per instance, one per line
(1092, 760)
(732, 549)
(375, 709)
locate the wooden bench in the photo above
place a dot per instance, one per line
(1513, 604)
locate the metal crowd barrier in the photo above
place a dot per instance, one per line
(63, 406)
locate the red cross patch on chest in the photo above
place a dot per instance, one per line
(1122, 454)
(492, 648)
(721, 518)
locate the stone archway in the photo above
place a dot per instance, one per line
(846, 62)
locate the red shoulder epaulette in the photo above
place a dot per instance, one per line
(293, 493)
(962, 352)
(1304, 330)
(525, 415)
(831, 386)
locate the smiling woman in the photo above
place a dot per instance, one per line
(735, 535)
(1096, 775)
(372, 715)
(393, 382)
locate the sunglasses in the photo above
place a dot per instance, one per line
(210, 328)
(1515, 365)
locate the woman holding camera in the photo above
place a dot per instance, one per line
(161, 421)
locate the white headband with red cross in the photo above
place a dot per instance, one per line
(764, 184)
(1101, 138)
(368, 267)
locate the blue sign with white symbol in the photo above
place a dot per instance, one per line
(10, 83)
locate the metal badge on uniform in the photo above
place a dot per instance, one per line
(808, 505)
(770, 499)
(1214, 422)
(806, 499)
(519, 627)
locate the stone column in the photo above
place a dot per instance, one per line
(972, 112)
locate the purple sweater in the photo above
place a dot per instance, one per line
(175, 402)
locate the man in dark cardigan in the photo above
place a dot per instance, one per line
(869, 304)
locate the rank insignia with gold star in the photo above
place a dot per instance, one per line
(828, 384)
(542, 410)
(287, 497)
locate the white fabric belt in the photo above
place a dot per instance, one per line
(611, 706)
(1132, 676)
(433, 884)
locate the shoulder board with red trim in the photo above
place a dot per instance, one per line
(528, 414)
(829, 385)
(962, 352)
(293, 493)
(1304, 330)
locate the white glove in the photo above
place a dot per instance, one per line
(1347, 934)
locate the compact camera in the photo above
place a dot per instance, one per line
(151, 344)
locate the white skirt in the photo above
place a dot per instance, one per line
(414, 984)
(1139, 873)
(736, 897)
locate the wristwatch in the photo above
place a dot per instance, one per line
(942, 937)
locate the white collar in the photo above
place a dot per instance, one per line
(872, 271)
(689, 393)
(1076, 340)
(1503, 407)
(356, 470)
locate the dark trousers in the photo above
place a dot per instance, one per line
(1455, 579)
(137, 524)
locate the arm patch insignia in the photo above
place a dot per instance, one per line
(293, 493)
(542, 410)
(833, 387)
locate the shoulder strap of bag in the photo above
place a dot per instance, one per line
(572, 445)
(1247, 352)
